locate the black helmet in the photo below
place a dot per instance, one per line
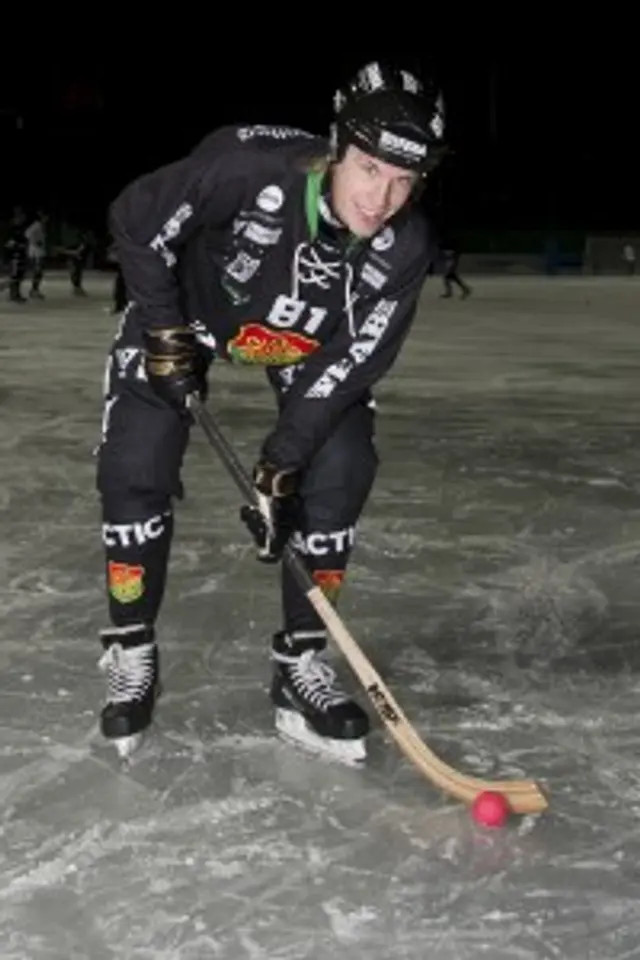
(390, 114)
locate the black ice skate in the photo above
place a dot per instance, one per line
(310, 708)
(130, 660)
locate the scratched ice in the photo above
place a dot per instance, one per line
(495, 585)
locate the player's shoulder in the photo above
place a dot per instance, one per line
(419, 231)
(260, 146)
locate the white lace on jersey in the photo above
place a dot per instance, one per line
(310, 269)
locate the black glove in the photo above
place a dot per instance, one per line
(173, 367)
(273, 519)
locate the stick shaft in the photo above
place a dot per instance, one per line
(238, 473)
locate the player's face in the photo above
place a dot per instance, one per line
(366, 192)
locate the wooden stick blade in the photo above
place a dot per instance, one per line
(523, 796)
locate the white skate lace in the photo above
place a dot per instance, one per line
(129, 671)
(315, 680)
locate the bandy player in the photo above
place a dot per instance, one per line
(304, 256)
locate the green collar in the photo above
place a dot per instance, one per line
(313, 192)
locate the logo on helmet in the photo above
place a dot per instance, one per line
(410, 83)
(401, 145)
(370, 78)
(437, 122)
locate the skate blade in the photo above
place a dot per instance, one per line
(126, 747)
(293, 727)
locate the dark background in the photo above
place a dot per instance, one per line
(543, 138)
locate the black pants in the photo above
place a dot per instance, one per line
(17, 273)
(452, 277)
(139, 477)
(76, 273)
(37, 273)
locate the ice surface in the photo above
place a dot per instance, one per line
(495, 587)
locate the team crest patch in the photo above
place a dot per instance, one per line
(256, 343)
(126, 581)
(330, 582)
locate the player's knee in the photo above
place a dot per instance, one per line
(337, 485)
(142, 452)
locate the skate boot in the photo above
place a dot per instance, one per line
(130, 661)
(310, 708)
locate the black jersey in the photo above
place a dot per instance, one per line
(238, 241)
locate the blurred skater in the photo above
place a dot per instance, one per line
(450, 260)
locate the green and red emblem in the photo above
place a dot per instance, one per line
(255, 343)
(126, 581)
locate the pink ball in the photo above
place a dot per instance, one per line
(490, 809)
